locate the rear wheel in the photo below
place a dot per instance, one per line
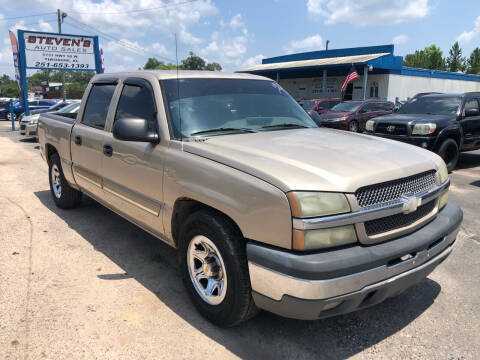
(449, 152)
(64, 195)
(353, 126)
(214, 268)
(9, 118)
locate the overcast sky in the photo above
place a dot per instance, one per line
(240, 33)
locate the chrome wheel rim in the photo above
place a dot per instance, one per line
(207, 270)
(353, 127)
(56, 183)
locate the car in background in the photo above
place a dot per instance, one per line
(28, 126)
(23, 119)
(352, 115)
(18, 109)
(443, 123)
(319, 105)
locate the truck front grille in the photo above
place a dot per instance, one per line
(391, 129)
(397, 221)
(393, 190)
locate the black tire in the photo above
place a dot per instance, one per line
(68, 197)
(7, 116)
(237, 305)
(449, 152)
(353, 126)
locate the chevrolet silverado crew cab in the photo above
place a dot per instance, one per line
(267, 210)
(444, 123)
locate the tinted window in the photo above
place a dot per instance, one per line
(432, 104)
(471, 104)
(97, 105)
(346, 106)
(307, 105)
(328, 104)
(370, 107)
(44, 103)
(137, 102)
(230, 106)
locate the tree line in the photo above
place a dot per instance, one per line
(431, 57)
(192, 62)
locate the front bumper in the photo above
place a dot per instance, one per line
(426, 142)
(340, 125)
(313, 286)
(31, 130)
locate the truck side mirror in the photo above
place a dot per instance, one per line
(134, 129)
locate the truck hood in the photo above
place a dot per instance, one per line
(315, 159)
(412, 118)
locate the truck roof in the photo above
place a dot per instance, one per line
(182, 74)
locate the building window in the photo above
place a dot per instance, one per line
(374, 90)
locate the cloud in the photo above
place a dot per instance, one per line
(45, 26)
(122, 16)
(466, 36)
(368, 12)
(313, 42)
(400, 39)
(254, 60)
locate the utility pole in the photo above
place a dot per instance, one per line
(60, 16)
(326, 44)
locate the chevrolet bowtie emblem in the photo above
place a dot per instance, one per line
(410, 204)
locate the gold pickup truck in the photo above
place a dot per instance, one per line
(267, 210)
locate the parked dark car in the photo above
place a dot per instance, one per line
(443, 123)
(319, 105)
(352, 115)
(32, 105)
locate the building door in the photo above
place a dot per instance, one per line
(349, 92)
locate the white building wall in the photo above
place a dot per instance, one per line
(404, 86)
(311, 88)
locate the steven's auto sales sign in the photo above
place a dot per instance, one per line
(59, 51)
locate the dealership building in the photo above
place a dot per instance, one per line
(319, 74)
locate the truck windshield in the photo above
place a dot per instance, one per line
(207, 107)
(348, 106)
(435, 105)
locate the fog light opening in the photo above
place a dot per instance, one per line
(331, 305)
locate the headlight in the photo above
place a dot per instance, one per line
(442, 173)
(306, 204)
(424, 129)
(442, 200)
(323, 238)
(369, 125)
(33, 120)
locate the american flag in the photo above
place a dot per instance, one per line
(352, 75)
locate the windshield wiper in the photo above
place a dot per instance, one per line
(286, 125)
(222, 129)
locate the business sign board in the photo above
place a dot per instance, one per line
(59, 51)
(41, 50)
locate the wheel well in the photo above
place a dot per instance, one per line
(183, 208)
(50, 150)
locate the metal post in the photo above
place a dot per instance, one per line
(12, 115)
(59, 20)
(324, 83)
(326, 44)
(365, 75)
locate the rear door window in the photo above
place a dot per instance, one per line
(137, 102)
(98, 101)
(471, 104)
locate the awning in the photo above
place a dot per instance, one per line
(354, 59)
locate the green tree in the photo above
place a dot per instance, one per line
(431, 57)
(10, 90)
(152, 64)
(213, 66)
(75, 90)
(193, 62)
(455, 61)
(474, 62)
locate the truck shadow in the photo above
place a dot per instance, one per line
(153, 264)
(468, 160)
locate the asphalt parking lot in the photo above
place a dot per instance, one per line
(86, 284)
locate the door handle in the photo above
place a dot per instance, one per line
(107, 150)
(78, 140)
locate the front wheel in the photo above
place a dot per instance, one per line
(64, 195)
(353, 126)
(9, 118)
(449, 152)
(214, 268)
